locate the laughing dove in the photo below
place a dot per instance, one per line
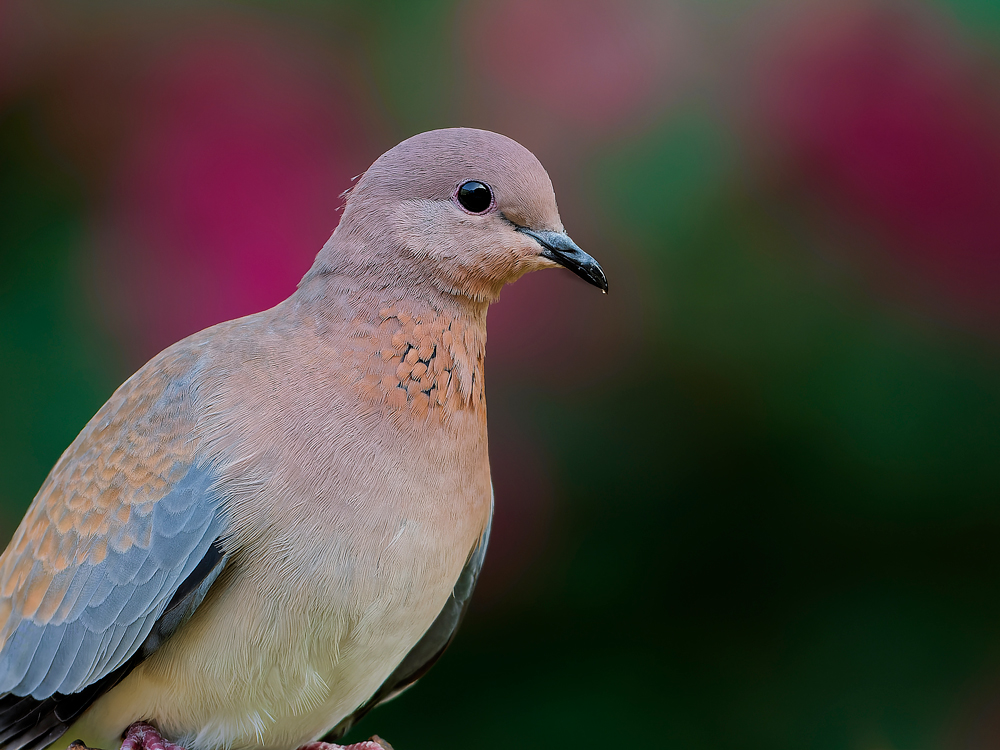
(277, 523)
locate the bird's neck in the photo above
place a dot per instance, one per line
(412, 349)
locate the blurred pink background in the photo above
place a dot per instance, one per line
(749, 499)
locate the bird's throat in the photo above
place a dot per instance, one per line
(427, 360)
(423, 353)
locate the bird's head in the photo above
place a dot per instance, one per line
(464, 210)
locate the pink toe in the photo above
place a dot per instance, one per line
(144, 736)
(366, 745)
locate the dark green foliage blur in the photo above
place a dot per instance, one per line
(770, 457)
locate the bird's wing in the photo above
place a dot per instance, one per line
(434, 641)
(116, 551)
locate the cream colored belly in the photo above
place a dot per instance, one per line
(278, 664)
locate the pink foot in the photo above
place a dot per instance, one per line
(375, 743)
(143, 736)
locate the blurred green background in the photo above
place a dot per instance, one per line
(747, 500)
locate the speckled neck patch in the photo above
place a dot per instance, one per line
(438, 362)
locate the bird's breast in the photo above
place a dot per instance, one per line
(352, 514)
(300, 630)
(348, 537)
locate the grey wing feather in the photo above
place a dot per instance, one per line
(115, 614)
(27, 723)
(128, 591)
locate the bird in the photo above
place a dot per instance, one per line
(276, 524)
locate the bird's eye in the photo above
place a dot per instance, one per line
(474, 196)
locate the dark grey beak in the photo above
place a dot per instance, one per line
(560, 248)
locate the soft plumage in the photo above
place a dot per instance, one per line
(277, 522)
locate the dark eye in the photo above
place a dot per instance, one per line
(474, 196)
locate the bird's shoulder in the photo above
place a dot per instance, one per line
(129, 456)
